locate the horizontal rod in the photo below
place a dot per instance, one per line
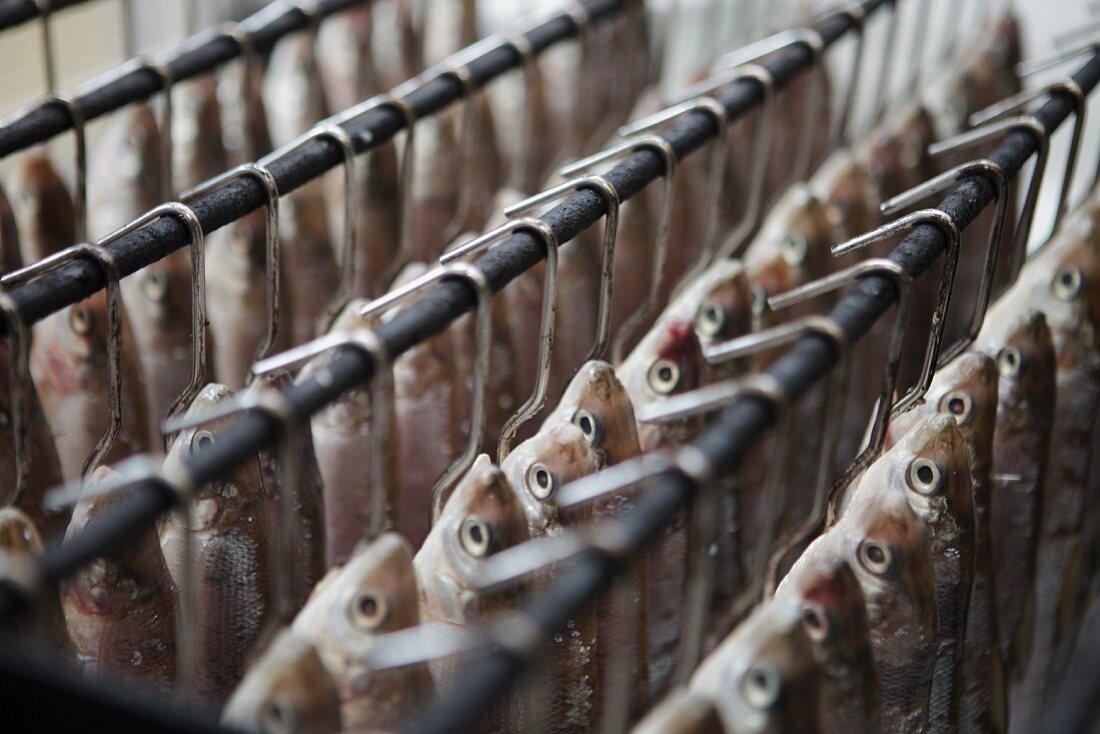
(17, 12)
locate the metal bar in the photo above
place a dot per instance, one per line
(17, 12)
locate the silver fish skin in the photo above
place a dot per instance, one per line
(198, 147)
(20, 539)
(287, 685)
(681, 712)
(125, 171)
(1021, 343)
(889, 549)
(293, 100)
(930, 467)
(527, 169)
(42, 208)
(310, 273)
(345, 57)
(69, 368)
(342, 441)
(232, 540)
(396, 51)
(121, 611)
(244, 120)
(374, 593)
(967, 389)
(11, 257)
(762, 678)
(438, 175)
(378, 241)
(450, 27)
(833, 615)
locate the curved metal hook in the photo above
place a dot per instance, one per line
(45, 9)
(467, 139)
(19, 343)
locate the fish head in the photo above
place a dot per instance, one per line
(849, 193)
(165, 288)
(1021, 343)
(931, 462)
(545, 463)
(19, 536)
(75, 340)
(287, 690)
(720, 304)
(598, 403)
(896, 152)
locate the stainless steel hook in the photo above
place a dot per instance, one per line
(523, 172)
(943, 182)
(662, 148)
(483, 330)
(582, 101)
(466, 143)
(542, 231)
(18, 339)
(272, 244)
(610, 234)
(45, 10)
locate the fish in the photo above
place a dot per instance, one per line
(378, 223)
(373, 594)
(438, 174)
(427, 391)
(245, 130)
(20, 539)
(681, 712)
(121, 610)
(345, 57)
(763, 678)
(888, 547)
(397, 51)
(342, 441)
(126, 171)
(834, 617)
(930, 467)
(198, 147)
(228, 529)
(41, 207)
(966, 388)
(288, 689)
(293, 100)
(11, 257)
(1020, 341)
(527, 162)
(69, 366)
(849, 193)
(449, 28)
(309, 270)
(1055, 282)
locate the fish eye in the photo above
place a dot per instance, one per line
(711, 319)
(925, 476)
(155, 286)
(664, 376)
(540, 481)
(591, 426)
(1067, 284)
(875, 557)
(815, 622)
(278, 717)
(1010, 362)
(369, 612)
(80, 320)
(475, 536)
(761, 687)
(201, 441)
(794, 249)
(958, 404)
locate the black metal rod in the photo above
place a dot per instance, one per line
(733, 432)
(17, 12)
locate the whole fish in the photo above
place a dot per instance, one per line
(288, 689)
(244, 120)
(485, 171)
(309, 270)
(682, 712)
(44, 466)
(833, 615)
(849, 192)
(449, 28)
(198, 148)
(438, 176)
(373, 594)
(11, 257)
(1021, 343)
(930, 467)
(966, 388)
(20, 539)
(293, 100)
(70, 369)
(42, 208)
(125, 171)
(426, 394)
(121, 610)
(345, 57)
(763, 678)
(342, 440)
(889, 549)
(378, 241)
(232, 544)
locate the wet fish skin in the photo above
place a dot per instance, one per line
(374, 593)
(438, 174)
(41, 207)
(762, 678)
(125, 171)
(345, 57)
(20, 538)
(198, 148)
(288, 684)
(379, 220)
(121, 611)
(833, 615)
(310, 273)
(1021, 342)
(293, 100)
(245, 128)
(233, 544)
(69, 368)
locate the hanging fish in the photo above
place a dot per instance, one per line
(309, 270)
(121, 610)
(244, 121)
(396, 49)
(288, 689)
(11, 257)
(293, 99)
(345, 58)
(125, 171)
(438, 176)
(42, 208)
(373, 594)
(833, 617)
(378, 240)
(198, 149)
(527, 161)
(232, 540)
(69, 364)
(966, 388)
(450, 27)
(20, 540)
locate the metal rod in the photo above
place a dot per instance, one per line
(17, 12)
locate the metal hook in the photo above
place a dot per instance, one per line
(1070, 48)
(129, 32)
(272, 245)
(940, 183)
(466, 143)
(950, 230)
(610, 234)
(1027, 211)
(105, 259)
(841, 134)
(19, 353)
(886, 64)
(473, 277)
(45, 9)
(408, 151)
(523, 172)
(251, 62)
(646, 308)
(579, 16)
(349, 250)
(832, 412)
(1073, 91)
(542, 231)
(366, 341)
(719, 158)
